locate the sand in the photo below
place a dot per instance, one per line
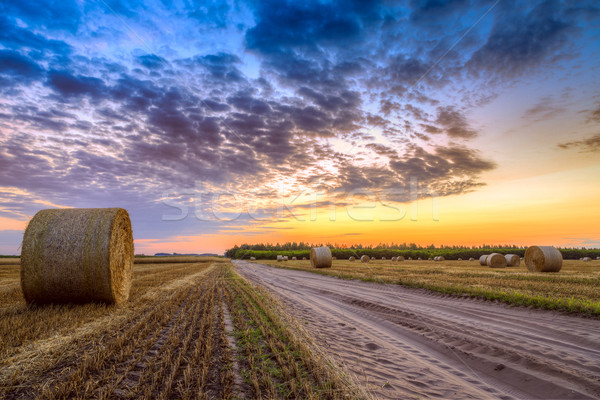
(412, 343)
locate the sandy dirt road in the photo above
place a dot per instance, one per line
(404, 343)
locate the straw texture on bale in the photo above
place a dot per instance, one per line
(512, 260)
(543, 259)
(365, 259)
(351, 258)
(77, 255)
(400, 258)
(280, 258)
(496, 260)
(320, 257)
(483, 259)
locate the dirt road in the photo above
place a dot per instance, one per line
(407, 343)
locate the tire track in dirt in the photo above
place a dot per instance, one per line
(411, 343)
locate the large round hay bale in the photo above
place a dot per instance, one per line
(512, 260)
(400, 258)
(365, 259)
(320, 257)
(77, 255)
(496, 260)
(351, 258)
(483, 259)
(279, 258)
(543, 259)
(586, 259)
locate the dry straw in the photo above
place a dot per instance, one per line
(10, 261)
(496, 260)
(483, 259)
(77, 255)
(365, 259)
(512, 260)
(543, 259)
(320, 257)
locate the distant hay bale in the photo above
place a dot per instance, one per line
(586, 259)
(400, 258)
(279, 258)
(483, 259)
(471, 259)
(372, 258)
(365, 259)
(351, 258)
(543, 259)
(460, 259)
(252, 258)
(419, 259)
(439, 258)
(294, 258)
(304, 258)
(409, 258)
(320, 257)
(334, 258)
(285, 258)
(496, 260)
(430, 259)
(393, 259)
(597, 258)
(383, 258)
(512, 260)
(77, 255)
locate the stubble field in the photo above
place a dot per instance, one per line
(190, 330)
(576, 288)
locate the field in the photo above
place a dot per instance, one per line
(576, 288)
(190, 330)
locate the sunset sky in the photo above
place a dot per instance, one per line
(219, 123)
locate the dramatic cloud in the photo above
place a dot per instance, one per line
(591, 144)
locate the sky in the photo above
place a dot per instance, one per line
(217, 123)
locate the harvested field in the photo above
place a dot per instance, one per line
(190, 330)
(576, 288)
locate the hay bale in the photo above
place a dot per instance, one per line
(393, 259)
(460, 259)
(597, 258)
(471, 259)
(441, 258)
(512, 260)
(496, 260)
(383, 258)
(430, 259)
(420, 259)
(351, 258)
(279, 258)
(285, 258)
(372, 258)
(294, 258)
(365, 259)
(586, 259)
(543, 259)
(252, 258)
(400, 258)
(77, 255)
(410, 258)
(483, 259)
(320, 257)
(304, 258)
(334, 258)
